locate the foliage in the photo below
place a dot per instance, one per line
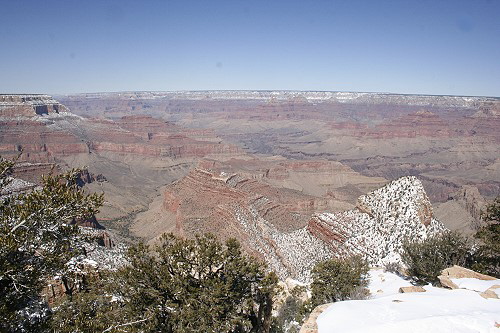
(85, 312)
(36, 240)
(426, 259)
(487, 256)
(338, 279)
(291, 313)
(492, 213)
(194, 285)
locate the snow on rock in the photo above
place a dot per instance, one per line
(436, 310)
(310, 96)
(376, 229)
(475, 284)
(380, 223)
(15, 186)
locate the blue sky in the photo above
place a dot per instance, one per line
(428, 47)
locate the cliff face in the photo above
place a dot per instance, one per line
(29, 105)
(30, 123)
(463, 210)
(33, 172)
(43, 129)
(143, 135)
(268, 221)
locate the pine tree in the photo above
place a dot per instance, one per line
(338, 279)
(487, 257)
(194, 285)
(36, 240)
(426, 259)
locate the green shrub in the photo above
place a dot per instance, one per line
(487, 256)
(426, 259)
(339, 279)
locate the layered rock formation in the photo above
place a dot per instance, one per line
(139, 153)
(29, 105)
(44, 131)
(448, 141)
(272, 224)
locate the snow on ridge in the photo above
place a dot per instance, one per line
(30, 99)
(310, 96)
(382, 221)
(376, 229)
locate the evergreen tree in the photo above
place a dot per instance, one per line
(194, 285)
(88, 311)
(426, 259)
(36, 240)
(339, 279)
(487, 257)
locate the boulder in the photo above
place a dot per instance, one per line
(490, 292)
(412, 289)
(458, 272)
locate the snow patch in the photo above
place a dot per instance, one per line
(475, 284)
(436, 310)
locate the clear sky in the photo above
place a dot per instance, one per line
(428, 47)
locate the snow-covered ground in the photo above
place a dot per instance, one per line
(436, 310)
(477, 285)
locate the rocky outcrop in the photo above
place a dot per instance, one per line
(457, 272)
(90, 222)
(412, 289)
(29, 105)
(457, 277)
(263, 218)
(492, 292)
(382, 220)
(270, 225)
(310, 325)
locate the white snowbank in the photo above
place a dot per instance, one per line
(436, 310)
(384, 284)
(475, 284)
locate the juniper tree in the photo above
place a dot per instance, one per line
(36, 240)
(194, 285)
(487, 256)
(339, 279)
(426, 259)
